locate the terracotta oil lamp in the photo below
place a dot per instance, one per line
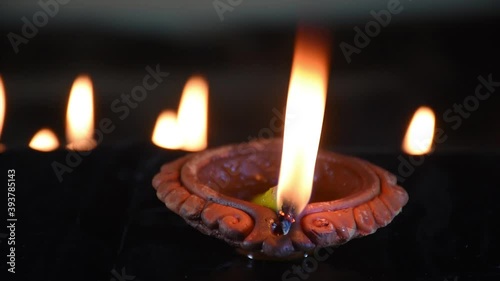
(212, 192)
(321, 198)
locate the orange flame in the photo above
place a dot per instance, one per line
(2, 105)
(187, 131)
(44, 140)
(2, 112)
(166, 133)
(420, 134)
(80, 115)
(304, 119)
(193, 114)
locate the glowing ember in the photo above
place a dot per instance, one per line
(187, 131)
(166, 133)
(80, 115)
(44, 140)
(420, 133)
(304, 120)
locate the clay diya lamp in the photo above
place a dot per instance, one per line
(322, 198)
(212, 192)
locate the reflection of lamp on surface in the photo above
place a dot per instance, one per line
(420, 134)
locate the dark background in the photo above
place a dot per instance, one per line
(429, 54)
(104, 216)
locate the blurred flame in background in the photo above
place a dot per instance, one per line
(420, 134)
(187, 130)
(80, 115)
(44, 140)
(166, 133)
(193, 114)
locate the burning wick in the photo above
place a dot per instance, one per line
(44, 140)
(80, 115)
(187, 129)
(286, 217)
(305, 108)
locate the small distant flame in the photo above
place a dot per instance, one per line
(44, 140)
(304, 119)
(166, 133)
(420, 134)
(187, 130)
(80, 115)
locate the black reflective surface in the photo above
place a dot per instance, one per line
(104, 221)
